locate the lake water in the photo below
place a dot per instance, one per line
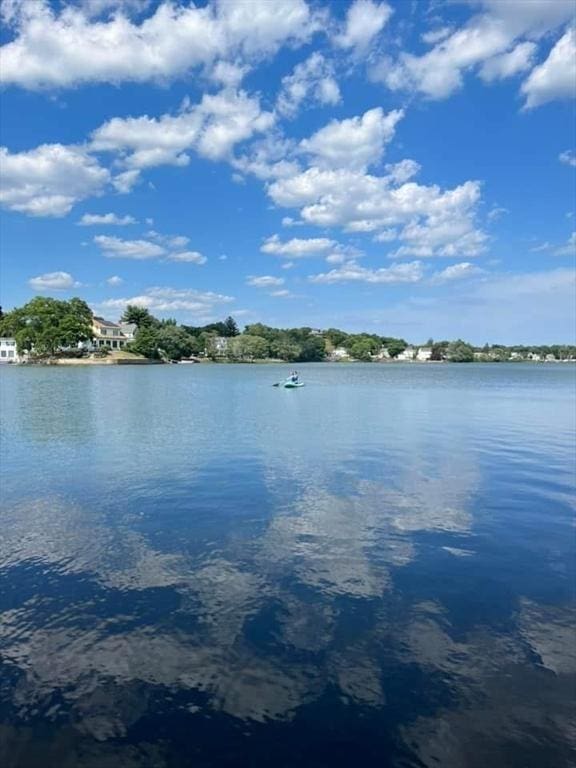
(200, 570)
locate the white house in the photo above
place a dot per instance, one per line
(383, 354)
(113, 335)
(424, 354)
(220, 345)
(408, 354)
(8, 351)
(338, 354)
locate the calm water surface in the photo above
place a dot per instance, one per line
(198, 569)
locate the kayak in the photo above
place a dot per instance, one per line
(293, 385)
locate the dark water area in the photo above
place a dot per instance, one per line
(200, 570)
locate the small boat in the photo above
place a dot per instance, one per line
(293, 384)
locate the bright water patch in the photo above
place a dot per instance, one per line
(199, 569)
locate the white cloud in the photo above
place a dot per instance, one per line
(53, 281)
(568, 157)
(65, 49)
(569, 249)
(402, 171)
(189, 257)
(353, 143)
(172, 300)
(49, 180)
(264, 281)
(93, 219)
(555, 78)
(116, 248)
(114, 280)
(312, 82)
(457, 272)
(269, 158)
(364, 22)
(519, 59)
(297, 248)
(167, 247)
(282, 294)
(288, 265)
(434, 221)
(212, 128)
(124, 182)
(491, 41)
(351, 271)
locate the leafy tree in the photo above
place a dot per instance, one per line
(313, 350)
(286, 350)
(335, 336)
(173, 342)
(140, 316)
(439, 350)
(248, 347)
(361, 349)
(145, 343)
(394, 346)
(459, 352)
(45, 325)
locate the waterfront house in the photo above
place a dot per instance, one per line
(534, 357)
(338, 354)
(113, 335)
(424, 354)
(220, 346)
(8, 351)
(383, 354)
(408, 354)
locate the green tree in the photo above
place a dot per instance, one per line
(231, 327)
(361, 349)
(173, 342)
(313, 350)
(45, 325)
(335, 336)
(248, 347)
(439, 350)
(459, 352)
(394, 346)
(286, 350)
(140, 316)
(145, 343)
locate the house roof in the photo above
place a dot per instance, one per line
(105, 323)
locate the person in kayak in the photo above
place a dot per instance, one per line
(293, 378)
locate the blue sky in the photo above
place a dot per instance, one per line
(407, 168)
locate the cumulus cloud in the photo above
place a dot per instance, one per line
(457, 272)
(491, 43)
(166, 247)
(53, 281)
(160, 299)
(269, 158)
(115, 280)
(354, 143)
(265, 281)
(68, 48)
(187, 257)
(140, 250)
(351, 271)
(555, 78)
(49, 180)
(519, 59)
(94, 219)
(431, 221)
(364, 22)
(312, 82)
(568, 157)
(211, 128)
(297, 247)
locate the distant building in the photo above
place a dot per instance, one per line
(516, 356)
(424, 354)
(8, 351)
(534, 357)
(383, 354)
(550, 359)
(408, 354)
(113, 335)
(339, 353)
(221, 345)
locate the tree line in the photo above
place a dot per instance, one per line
(47, 326)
